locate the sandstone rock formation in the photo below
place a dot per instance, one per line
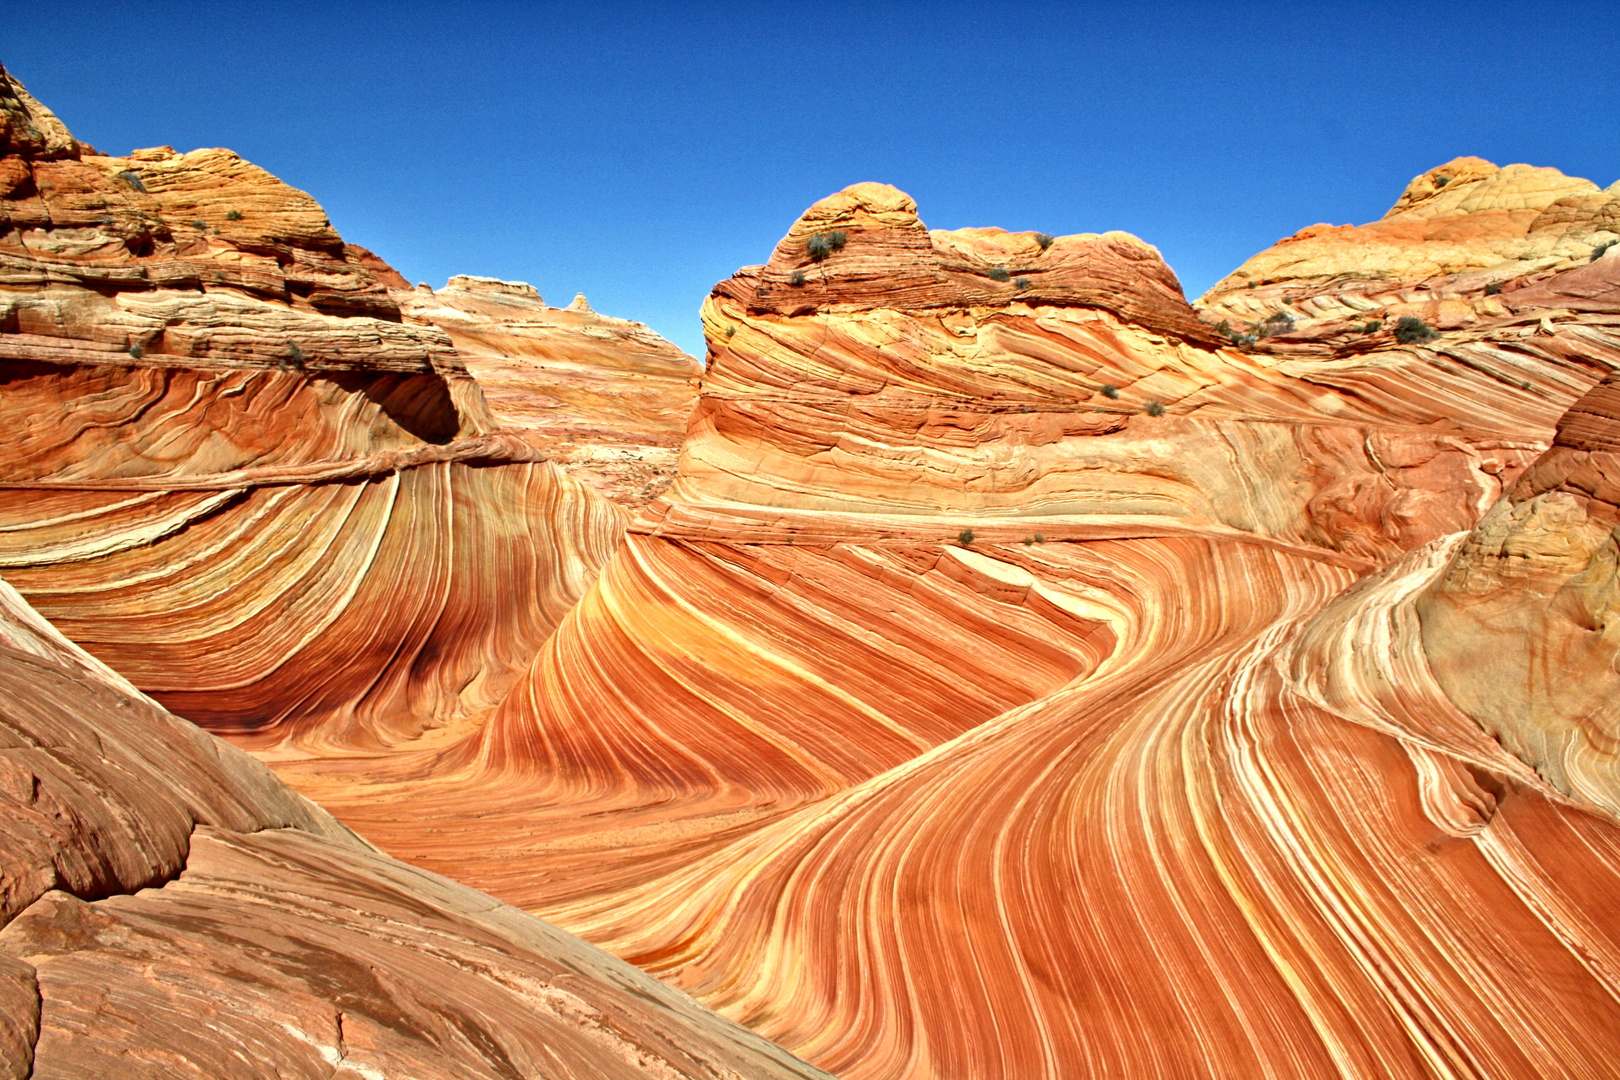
(238, 475)
(604, 398)
(1031, 663)
(1027, 673)
(170, 909)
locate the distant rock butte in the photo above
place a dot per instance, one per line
(605, 399)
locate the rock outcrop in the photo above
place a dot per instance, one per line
(605, 399)
(240, 476)
(1027, 672)
(170, 909)
(1061, 653)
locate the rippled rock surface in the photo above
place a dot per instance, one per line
(1030, 679)
(1027, 672)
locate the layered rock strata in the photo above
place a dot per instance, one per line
(239, 475)
(170, 909)
(606, 399)
(1038, 644)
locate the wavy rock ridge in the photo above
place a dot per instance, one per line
(1031, 673)
(243, 477)
(1149, 770)
(170, 909)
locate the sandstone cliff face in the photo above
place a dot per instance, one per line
(170, 909)
(1026, 681)
(606, 399)
(238, 474)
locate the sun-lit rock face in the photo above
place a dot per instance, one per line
(606, 399)
(1464, 248)
(235, 473)
(1012, 685)
(169, 908)
(1523, 629)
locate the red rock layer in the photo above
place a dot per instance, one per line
(170, 909)
(239, 476)
(993, 694)
(605, 398)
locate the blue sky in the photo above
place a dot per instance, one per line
(639, 153)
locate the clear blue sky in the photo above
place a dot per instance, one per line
(639, 153)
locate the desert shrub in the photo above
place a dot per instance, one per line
(295, 355)
(1597, 252)
(1110, 391)
(823, 244)
(999, 273)
(965, 537)
(1021, 283)
(1441, 181)
(1411, 330)
(233, 215)
(1224, 328)
(1044, 239)
(731, 331)
(1280, 322)
(1372, 327)
(1525, 385)
(797, 278)
(1154, 408)
(133, 179)
(1493, 288)
(1039, 539)
(1028, 540)
(135, 351)
(199, 224)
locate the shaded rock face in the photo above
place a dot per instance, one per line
(1012, 685)
(604, 398)
(170, 909)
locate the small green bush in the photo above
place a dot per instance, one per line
(1493, 288)
(295, 355)
(823, 244)
(1411, 330)
(1028, 540)
(797, 278)
(1597, 252)
(1039, 539)
(1044, 239)
(1110, 391)
(1280, 322)
(1154, 408)
(135, 351)
(965, 537)
(1441, 181)
(233, 215)
(1372, 327)
(1021, 283)
(731, 331)
(1525, 385)
(1224, 328)
(199, 224)
(999, 273)
(133, 179)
